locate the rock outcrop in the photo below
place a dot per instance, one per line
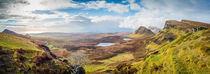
(186, 25)
(144, 31)
(141, 32)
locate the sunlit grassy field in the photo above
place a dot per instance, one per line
(109, 64)
(13, 42)
(187, 54)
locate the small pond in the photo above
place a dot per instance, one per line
(106, 44)
(126, 39)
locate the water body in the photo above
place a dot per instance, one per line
(106, 44)
(126, 39)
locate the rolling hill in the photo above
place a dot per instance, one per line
(14, 42)
(20, 55)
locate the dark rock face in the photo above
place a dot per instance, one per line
(144, 30)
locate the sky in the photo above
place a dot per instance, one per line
(81, 16)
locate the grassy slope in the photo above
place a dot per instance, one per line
(108, 64)
(13, 42)
(160, 36)
(133, 35)
(189, 53)
(19, 56)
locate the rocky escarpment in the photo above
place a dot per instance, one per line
(174, 29)
(186, 25)
(181, 47)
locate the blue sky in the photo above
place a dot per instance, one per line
(73, 16)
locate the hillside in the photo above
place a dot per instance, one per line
(181, 47)
(141, 32)
(19, 55)
(15, 34)
(14, 42)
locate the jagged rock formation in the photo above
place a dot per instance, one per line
(143, 30)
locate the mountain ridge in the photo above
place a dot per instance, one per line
(178, 48)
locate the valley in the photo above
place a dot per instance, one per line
(180, 47)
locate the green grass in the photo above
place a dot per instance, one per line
(135, 35)
(160, 36)
(120, 58)
(187, 54)
(13, 42)
(109, 64)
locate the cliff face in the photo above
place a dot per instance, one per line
(186, 25)
(181, 47)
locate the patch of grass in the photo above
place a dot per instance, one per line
(186, 54)
(119, 58)
(14, 42)
(159, 37)
(94, 68)
(109, 64)
(135, 35)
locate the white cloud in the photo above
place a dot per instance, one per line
(119, 8)
(133, 5)
(95, 5)
(72, 24)
(156, 12)
(49, 5)
(106, 18)
(152, 13)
